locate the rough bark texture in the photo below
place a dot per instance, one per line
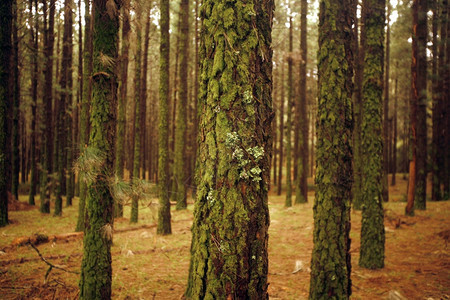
(5, 56)
(229, 258)
(420, 33)
(85, 108)
(301, 192)
(164, 226)
(96, 271)
(180, 134)
(47, 137)
(330, 263)
(290, 89)
(372, 228)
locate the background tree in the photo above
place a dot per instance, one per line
(231, 216)
(372, 228)
(96, 272)
(15, 132)
(5, 56)
(330, 262)
(164, 226)
(290, 89)
(302, 159)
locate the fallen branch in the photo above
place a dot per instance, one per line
(51, 266)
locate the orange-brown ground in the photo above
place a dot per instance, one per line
(147, 266)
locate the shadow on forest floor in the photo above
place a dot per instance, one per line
(147, 266)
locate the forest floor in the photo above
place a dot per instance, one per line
(148, 266)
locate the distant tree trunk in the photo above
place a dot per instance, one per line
(77, 106)
(5, 57)
(164, 226)
(229, 257)
(123, 86)
(96, 271)
(330, 263)
(385, 185)
(420, 92)
(276, 108)
(69, 114)
(136, 153)
(34, 44)
(180, 134)
(85, 108)
(16, 106)
(436, 128)
(143, 93)
(281, 116)
(394, 147)
(47, 130)
(195, 110)
(357, 111)
(372, 228)
(302, 155)
(288, 201)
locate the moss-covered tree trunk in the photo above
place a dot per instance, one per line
(85, 108)
(34, 40)
(180, 134)
(5, 56)
(47, 129)
(372, 228)
(121, 111)
(229, 258)
(96, 271)
(301, 191)
(330, 263)
(420, 91)
(164, 226)
(290, 90)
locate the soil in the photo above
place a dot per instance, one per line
(147, 266)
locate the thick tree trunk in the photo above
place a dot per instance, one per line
(330, 263)
(164, 226)
(5, 72)
(229, 258)
(96, 271)
(373, 169)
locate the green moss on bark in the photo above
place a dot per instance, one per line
(96, 271)
(372, 228)
(330, 262)
(229, 257)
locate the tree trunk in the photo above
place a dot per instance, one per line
(85, 109)
(384, 178)
(96, 271)
(281, 130)
(394, 147)
(302, 155)
(70, 139)
(330, 263)
(164, 226)
(229, 258)
(5, 72)
(15, 106)
(373, 169)
(180, 134)
(288, 201)
(47, 130)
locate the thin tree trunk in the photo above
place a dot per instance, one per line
(281, 116)
(16, 106)
(385, 193)
(394, 147)
(288, 201)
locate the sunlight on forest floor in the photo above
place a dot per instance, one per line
(147, 266)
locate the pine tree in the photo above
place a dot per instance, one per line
(96, 271)
(164, 226)
(5, 56)
(290, 89)
(229, 256)
(330, 263)
(180, 134)
(372, 228)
